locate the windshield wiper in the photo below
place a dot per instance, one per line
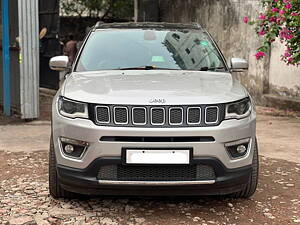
(145, 68)
(206, 68)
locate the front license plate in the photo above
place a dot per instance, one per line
(152, 156)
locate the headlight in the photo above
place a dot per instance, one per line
(72, 109)
(238, 110)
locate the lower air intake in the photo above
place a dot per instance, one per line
(156, 173)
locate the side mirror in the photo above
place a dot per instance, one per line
(59, 63)
(238, 65)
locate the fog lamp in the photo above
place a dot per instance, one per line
(73, 148)
(69, 149)
(239, 148)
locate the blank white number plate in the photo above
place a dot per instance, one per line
(157, 156)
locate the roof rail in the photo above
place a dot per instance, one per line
(159, 25)
(197, 25)
(98, 24)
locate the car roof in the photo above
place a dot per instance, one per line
(145, 25)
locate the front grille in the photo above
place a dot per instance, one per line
(102, 114)
(121, 115)
(156, 173)
(176, 116)
(194, 115)
(139, 116)
(154, 116)
(157, 116)
(211, 114)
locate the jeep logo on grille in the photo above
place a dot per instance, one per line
(158, 100)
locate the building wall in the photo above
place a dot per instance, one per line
(284, 80)
(224, 20)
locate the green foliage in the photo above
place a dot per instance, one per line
(280, 19)
(103, 9)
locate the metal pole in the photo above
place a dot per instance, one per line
(136, 10)
(28, 13)
(6, 57)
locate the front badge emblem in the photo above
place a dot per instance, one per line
(158, 101)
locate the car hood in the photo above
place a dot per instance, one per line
(142, 87)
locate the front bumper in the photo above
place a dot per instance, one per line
(85, 181)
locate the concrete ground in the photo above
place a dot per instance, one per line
(24, 195)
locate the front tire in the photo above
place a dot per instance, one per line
(55, 189)
(250, 189)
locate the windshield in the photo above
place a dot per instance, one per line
(115, 49)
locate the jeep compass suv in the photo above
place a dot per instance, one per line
(152, 109)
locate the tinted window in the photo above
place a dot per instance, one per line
(117, 49)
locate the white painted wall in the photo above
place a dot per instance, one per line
(281, 76)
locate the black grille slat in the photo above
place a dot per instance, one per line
(211, 114)
(194, 115)
(121, 115)
(157, 116)
(103, 114)
(176, 116)
(156, 173)
(157, 139)
(139, 116)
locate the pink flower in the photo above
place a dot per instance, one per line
(294, 14)
(262, 32)
(287, 54)
(278, 20)
(259, 55)
(275, 10)
(286, 1)
(281, 12)
(275, 0)
(246, 19)
(288, 6)
(286, 34)
(272, 19)
(262, 17)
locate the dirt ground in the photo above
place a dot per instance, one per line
(24, 197)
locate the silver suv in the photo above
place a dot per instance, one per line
(152, 109)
